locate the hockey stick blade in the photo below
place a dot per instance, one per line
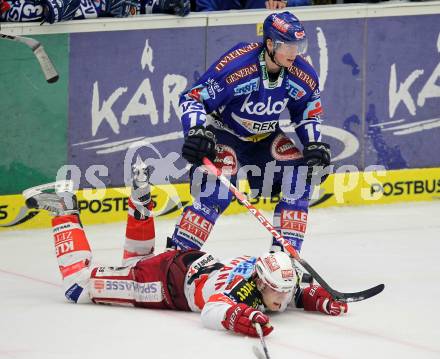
(46, 64)
(262, 342)
(341, 296)
(257, 352)
(49, 71)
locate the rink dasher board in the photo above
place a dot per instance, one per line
(68, 107)
(357, 188)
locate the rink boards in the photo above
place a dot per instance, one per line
(361, 188)
(378, 66)
(379, 73)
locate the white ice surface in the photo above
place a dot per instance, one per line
(353, 248)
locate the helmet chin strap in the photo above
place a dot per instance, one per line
(272, 58)
(260, 284)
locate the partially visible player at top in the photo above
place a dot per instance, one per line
(231, 294)
(231, 116)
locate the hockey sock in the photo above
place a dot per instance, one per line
(139, 233)
(290, 219)
(73, 255)
(71, 245)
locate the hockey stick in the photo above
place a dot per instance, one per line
(340, 296)
(49, 71)
(257, 352)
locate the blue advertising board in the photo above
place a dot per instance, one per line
(402, 121)
(380, 82)
(124, 90)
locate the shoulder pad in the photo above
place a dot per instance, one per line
(304, 71)
(233, 55)
(241, 73)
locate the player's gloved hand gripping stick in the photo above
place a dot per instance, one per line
(336, 295)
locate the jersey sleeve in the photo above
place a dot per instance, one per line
(238, 291)
(214, 311)
(306, 111)
(212, 91)
(207, 95)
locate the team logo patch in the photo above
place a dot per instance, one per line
(300, 34)
(313, 110)
(287, 273)
(295, 221)
(280, 24)
(272, 263)
(196, 226)
(99, 284)
(226, 160)
(283, 149)
(247, 87)
(212, 89)
(255, 126)
(262, 108)
(316, 94)
(196, 93)
(295, 91)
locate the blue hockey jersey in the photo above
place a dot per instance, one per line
(236, 95)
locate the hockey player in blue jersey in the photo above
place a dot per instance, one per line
(231, 116)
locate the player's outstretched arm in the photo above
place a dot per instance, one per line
(241, 318)
(222, 313)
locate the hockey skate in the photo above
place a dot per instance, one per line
(140, 194)
(56, 197)
(141, 174)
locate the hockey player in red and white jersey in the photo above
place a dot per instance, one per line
(231, 295)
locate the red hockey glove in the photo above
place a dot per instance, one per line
(316, 298)
(241, 318)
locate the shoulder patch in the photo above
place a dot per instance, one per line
(303, 76)
(241, 73)
(235, 54)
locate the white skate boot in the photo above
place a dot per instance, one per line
(56, 197)
(140, 193)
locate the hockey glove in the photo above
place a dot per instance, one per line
(200, 142)
(240, 318)
(316, 157)
(4, 6)
(316, 298)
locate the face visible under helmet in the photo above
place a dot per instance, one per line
(276, 271)
(285, 28)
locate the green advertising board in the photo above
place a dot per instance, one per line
(33, 115)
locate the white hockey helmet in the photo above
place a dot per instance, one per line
(276, 271)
